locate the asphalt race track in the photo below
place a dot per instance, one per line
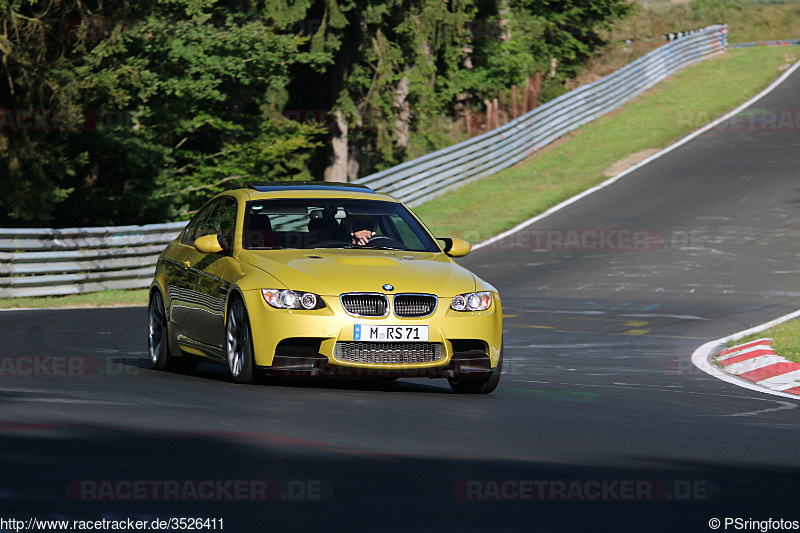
(600, 423)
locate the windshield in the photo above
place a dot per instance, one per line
(333, 223)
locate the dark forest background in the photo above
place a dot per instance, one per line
(130, 112)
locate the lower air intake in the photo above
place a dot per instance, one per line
(388, 353)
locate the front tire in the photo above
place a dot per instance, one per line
(239, 343)
(482, 385)
(158, 337)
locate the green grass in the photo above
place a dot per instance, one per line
(113, 298)
(643, 30)
(786, 339)
(747, 20)
(664, 114)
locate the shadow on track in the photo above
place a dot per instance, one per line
(218, 373)
(77, 472)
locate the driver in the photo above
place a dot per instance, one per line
(362, 231)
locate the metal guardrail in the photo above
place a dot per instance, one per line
(417, 181)
(45, 262)
(784, 42)
(39, 262)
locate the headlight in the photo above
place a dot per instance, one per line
(287, 299)
(472, 301)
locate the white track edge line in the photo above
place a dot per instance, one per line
(69, 308)
(662, 152)
(701, 358)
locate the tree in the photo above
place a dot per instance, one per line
(137, 111)
(185, 99)
(396, 67)
(519, 37)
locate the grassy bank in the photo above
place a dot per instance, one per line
(747, 20)
(114, 298)
(584, 158)
(644, 29)
(786, 339)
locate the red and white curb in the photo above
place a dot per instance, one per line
(757, 362)
(753, 365)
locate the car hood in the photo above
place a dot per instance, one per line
(332, 272)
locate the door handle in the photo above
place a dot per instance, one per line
(187, 264)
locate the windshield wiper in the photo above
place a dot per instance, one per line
(367, 247)
(340, 245)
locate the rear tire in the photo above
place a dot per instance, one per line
(158, 340)
(239, 343)
(482, 385)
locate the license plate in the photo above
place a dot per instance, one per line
(366, 332)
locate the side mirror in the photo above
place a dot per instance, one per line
(455, 247)
(207, 244)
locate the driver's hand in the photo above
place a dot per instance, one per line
(362, 237)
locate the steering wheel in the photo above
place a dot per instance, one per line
(383, 240)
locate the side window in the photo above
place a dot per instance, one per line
(221, 221)
(195, 225)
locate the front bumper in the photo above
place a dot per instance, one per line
(319, 366)
(303, 343)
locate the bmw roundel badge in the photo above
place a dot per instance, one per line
(388, 287)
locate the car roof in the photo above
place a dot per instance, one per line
(307, 189)
(273, 186)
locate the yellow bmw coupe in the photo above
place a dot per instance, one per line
(310, 279)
